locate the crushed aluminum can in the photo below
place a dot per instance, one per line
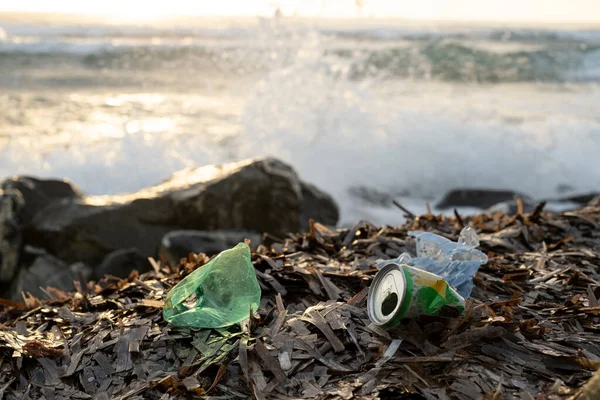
(399, 291)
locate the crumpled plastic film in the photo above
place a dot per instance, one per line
(456, 262)
(217, 294)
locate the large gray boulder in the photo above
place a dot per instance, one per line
(11, 232)
(40, 193)
(260, 195)
(317, 205)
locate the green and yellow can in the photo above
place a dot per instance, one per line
(399, 291)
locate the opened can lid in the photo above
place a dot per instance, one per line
(386, 294)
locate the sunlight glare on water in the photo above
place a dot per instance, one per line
(408, 112)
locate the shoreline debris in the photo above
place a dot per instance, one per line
(529, 330)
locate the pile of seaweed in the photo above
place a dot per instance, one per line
(530, 330)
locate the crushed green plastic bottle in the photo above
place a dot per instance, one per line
(216, 295)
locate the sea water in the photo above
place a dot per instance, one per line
(398, 110)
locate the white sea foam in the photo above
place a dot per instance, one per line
(411, 139)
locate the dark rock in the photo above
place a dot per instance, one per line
(594, 202)
(564, 203)
(11, 232)
(39, 193)
(121, 262)
(564, 188)
(317, 205)
(581, 198)
(262, 195)
(46, 271)
(371, 196)
(179, 244)
(480, 198)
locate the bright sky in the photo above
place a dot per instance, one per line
(478, 10)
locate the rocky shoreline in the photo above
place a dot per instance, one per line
(52, 233)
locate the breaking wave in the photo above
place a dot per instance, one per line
(383, 113)
(456, 56)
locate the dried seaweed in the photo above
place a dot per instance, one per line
(530, 329)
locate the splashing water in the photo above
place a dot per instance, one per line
(381, 109)
(416, 139)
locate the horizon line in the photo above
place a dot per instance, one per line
(167, 16)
